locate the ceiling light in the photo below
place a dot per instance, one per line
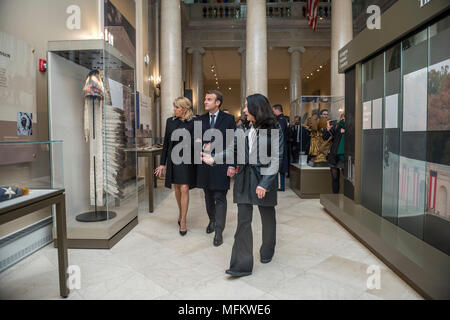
(320, 67)
(229, 88)
(285, 88)
(307, 77)
(318, 70)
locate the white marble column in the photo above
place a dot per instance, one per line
(296, 72)
(197, 79)
(243, 77)
(171, 59)
(341, 34)
(256, 45)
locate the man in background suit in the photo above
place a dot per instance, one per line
(284, 165)
(215, 180)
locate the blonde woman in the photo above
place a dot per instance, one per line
(181, 176)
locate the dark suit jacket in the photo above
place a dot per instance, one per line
(215, 178)
(284, 166)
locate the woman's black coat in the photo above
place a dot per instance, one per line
(172, 124)
(336, 135)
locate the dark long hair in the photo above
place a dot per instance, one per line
(259, 107)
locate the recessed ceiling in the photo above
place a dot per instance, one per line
(227, 63)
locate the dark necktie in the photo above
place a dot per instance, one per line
(213, 122)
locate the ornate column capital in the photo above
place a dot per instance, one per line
(241, 50)
(294, 49)
(196, 49)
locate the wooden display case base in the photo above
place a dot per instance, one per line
(100, 243)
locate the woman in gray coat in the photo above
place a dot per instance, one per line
(255, 182)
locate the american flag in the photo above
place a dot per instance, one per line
(432, 190)
(311, 13)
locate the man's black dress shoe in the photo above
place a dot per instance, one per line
(237, 274)
(211, 227)
(218, 240)
(266, 260)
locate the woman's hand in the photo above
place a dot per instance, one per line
(261, 192)
(206, 158)
(207, 147)
(160, 170)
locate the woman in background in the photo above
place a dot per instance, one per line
(181, 176)
(336, 155)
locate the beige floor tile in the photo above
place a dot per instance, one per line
(128, 287)
(345, 271)
(220, 286)
(392, 287)
(268, 277)
(312, 287)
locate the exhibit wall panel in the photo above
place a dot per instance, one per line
(350, 116)
(372, 142)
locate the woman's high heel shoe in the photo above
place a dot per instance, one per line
(183, 233)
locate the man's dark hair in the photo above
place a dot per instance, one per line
(218, 94)
(279, 107)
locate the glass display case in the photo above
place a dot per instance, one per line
(92, 109)
(309, 116)
(27, 173)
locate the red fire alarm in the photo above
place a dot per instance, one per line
(42, 65)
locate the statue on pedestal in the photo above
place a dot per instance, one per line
(319, 148)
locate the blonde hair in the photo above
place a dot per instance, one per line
(186, 105)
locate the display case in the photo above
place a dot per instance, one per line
(309, 172)
(92, 109)
(26, 172)
(308, 125)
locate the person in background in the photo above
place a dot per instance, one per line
(284, 165)
(336, 155)
(181, 176)
(324, 113)
(295, 139)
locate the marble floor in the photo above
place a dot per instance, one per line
(315, 259)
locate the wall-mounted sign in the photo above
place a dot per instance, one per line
(343, 59)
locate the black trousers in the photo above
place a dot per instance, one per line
(216, 206)
(335, 179)
(242, 253)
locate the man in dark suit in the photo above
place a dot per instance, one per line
(215, 180)
(284, 165)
